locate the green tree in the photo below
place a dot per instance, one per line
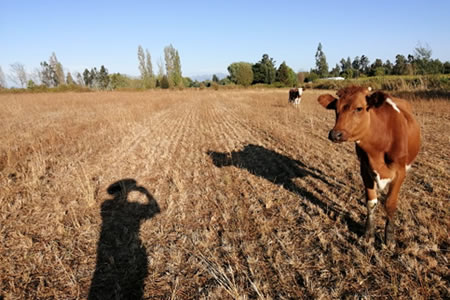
(164, 82)
(241, 73)
(356, 66)
(47, 74)
(93, 77)
(30, 84)
(103, 78)
(376, 69)
(58, 72)
(118, 80)
(69, 79)
(264, 71)
(150, 80)
(446, 67)
(346, 68)
(400, 65)
(286, 75)
(364, 64)
(141, 58)
(215, 78)
(173, 66)
(321, 62)
(335, 71)
(87, 78)
(146, 68)
(388, 67)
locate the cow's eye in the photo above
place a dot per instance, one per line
(358, 109)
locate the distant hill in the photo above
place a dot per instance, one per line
(204, 77)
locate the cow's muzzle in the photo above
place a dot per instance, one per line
(336, 136)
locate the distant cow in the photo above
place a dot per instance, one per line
(387, 140)
(295, 96)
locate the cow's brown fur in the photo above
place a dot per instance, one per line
(387, 140)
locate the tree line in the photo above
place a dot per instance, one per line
(418, 63)
(262, 72)
(51, 74)
(169, 75)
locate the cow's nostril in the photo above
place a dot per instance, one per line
(335, 136)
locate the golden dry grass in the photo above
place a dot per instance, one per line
(237, 196)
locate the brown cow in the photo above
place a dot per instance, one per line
(387, 141)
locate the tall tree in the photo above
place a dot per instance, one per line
(321, 62)
(356, 66)
(264, 71)
(173, 66)
(388, 67)
(422, 59)
(400, 65)
(18, 74)
(422, 52)
(141, 58)
(57, 67)
(148, 64)
(377, 69)
(346, 67)
(364, 64)
(2, 79)
(80, 80)
(93, 77)
(69, 79)
(335, 71)
(47, 74)
(103, 78)
(87, 78)
(150, 81)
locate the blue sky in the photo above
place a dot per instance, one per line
(210, 35)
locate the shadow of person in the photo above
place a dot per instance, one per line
(281, 170)
(121, 257)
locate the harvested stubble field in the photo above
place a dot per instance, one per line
(207, 195)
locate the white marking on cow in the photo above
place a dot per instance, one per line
(407, 167)
(382, 183)
(369, 89)
(372, 203)
(390, 102)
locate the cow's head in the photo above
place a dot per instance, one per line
(352, 107)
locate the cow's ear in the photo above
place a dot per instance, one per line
(376, 99)
(328, 101)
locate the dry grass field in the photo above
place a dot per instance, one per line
(208, 195)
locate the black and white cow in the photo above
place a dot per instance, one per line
(295, 96)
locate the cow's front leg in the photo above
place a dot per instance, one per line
(391, 206)
(371, 193)
(371, 204)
